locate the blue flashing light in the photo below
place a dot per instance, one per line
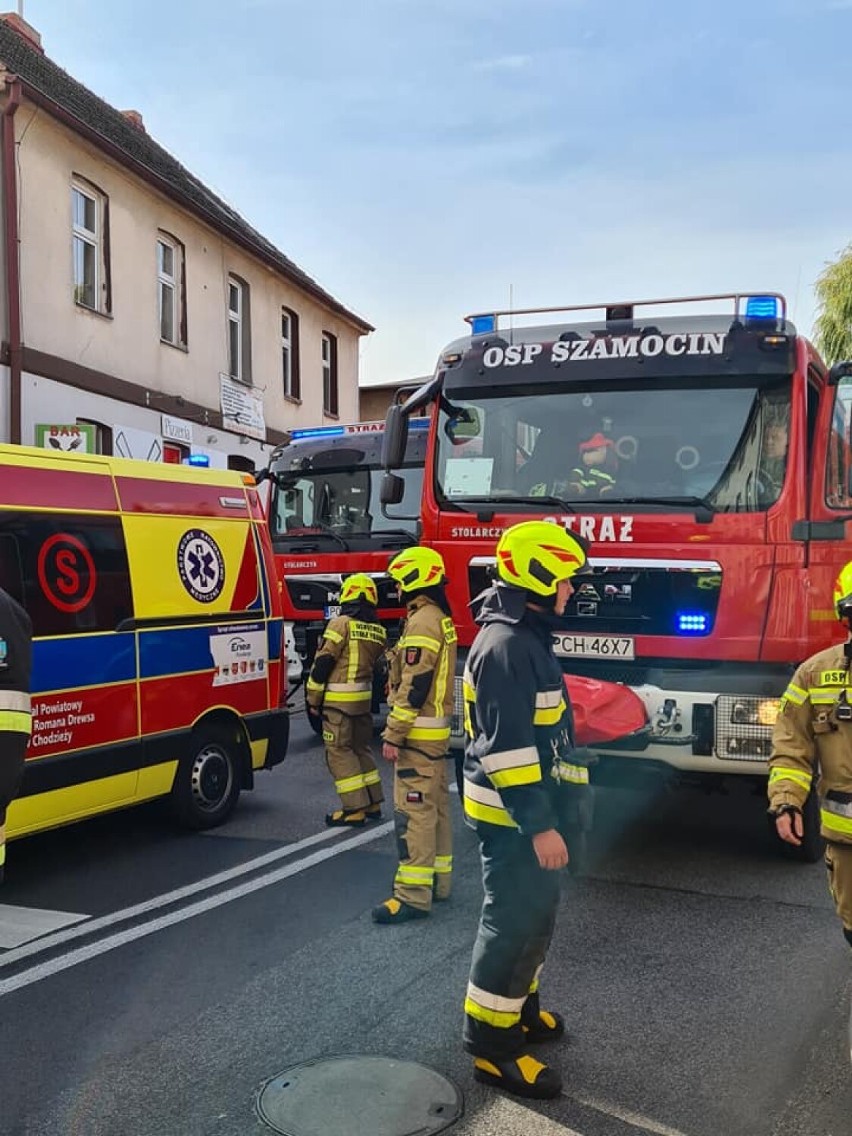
(318, 432)
(761, 308)
(692, 623)
(483, 325)
(200, 460)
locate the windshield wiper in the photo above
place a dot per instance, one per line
(324, 530)
(394, 534)
(686, 502)
(494, 503)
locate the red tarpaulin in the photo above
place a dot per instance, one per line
(604, 711)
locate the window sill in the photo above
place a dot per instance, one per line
(328, 414)
(184, 347)
(291, 398)
(92, 311)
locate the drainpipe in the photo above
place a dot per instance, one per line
(13, 263)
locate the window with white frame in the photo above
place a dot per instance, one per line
(290, 354)
(239, 330)
(329, 373)
(89, 237)
(171, 294)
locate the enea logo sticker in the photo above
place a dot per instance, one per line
(66, 572)
(201, 565)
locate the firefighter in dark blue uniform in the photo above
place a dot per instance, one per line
(16, 638)
(522, 779)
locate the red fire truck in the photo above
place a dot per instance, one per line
(326, 521)
(705, 454)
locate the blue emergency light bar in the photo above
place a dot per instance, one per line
(692, 623)
(201, 460)
(483, 325)
(761, 308)
(317, 432)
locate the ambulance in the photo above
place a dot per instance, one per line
(157, 626)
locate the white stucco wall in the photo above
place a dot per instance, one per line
(127, 344)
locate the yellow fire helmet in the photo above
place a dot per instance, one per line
(843, 588)
(537, 555)
(416, 568)
(359, 586)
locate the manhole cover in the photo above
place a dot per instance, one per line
(352, 1096)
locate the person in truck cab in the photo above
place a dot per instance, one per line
(417, 737)
(522, 776)
(814, 730)
(594, 474)
(340, 689)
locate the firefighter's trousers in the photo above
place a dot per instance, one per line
(13, 746)
(350, 760)
(424, 834)
(838, 860)
(515, 929)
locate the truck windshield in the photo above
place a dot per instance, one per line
(341, 500)
(724, 444)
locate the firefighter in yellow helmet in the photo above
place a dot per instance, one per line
(340, 688)
(16, 649)
(522, 778)
(814, 728)
(417, 737)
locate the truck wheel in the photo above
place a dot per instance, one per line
(207, 784)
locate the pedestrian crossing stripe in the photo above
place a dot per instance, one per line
(19, 925)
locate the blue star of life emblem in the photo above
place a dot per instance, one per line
(201, 565)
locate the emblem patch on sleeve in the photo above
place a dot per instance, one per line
(412, 656)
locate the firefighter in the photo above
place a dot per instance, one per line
(522, 780)
(814, 729)
(16, 650)
(417, 737)
(340, 688)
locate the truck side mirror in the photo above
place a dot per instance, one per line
(395, 439)
(842, 370)
(392, 489)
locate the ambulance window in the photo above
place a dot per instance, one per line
(11, 574)
(72, 570)
(838, 479)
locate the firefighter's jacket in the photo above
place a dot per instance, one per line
(520, 767)
(422, 670)
(341, 677)
(814, 726)
(16, 653)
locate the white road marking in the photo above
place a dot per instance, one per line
(91, 926)
(635, 1119)
(21, 924)
(131, 934)
(503, 1114)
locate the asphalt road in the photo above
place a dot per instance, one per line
(704, 978)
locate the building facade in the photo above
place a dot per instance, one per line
(140, 314)
(377, 397)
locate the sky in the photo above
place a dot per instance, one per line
(424, 159)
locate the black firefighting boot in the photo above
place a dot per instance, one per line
(548, 1026)
(346, 818)
(374, 812)
(395, 911)
(522, 1076)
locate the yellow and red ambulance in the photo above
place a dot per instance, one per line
(157, 635)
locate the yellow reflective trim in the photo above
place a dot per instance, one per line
(502, 1019)
(311, 685)
(409, 874)
(420, 641)
(334, 636)
(403, 713)
(796, 694)
(424, 734)
(836, 823)
(443, 864)
(822, 697)
(338, 696)
(781, 773)
(520, 775)
(350, 784)
(16, 721)
(352, 662)
(548, 717)
(488, 813)
(574, 774)
(441, 678)
(372, 778)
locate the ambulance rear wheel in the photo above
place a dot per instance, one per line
(207, 784)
